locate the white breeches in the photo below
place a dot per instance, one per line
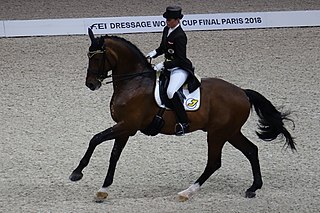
(178, 77)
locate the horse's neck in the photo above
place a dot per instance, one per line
(124, 81)
(129, 63)
(124, 68)
(129, 59)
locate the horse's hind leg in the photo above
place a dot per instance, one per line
(215, 145)
(250, 150)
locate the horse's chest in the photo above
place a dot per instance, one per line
(118, 108)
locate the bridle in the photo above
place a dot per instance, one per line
(101, 76)
(92, 53)
(120, 77)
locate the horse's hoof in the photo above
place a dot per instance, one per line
(75, 176)
(250, 194)
(182, 198)
(186, 194)
(101, 196)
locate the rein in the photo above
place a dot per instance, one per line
(124, 77)
(127, 76)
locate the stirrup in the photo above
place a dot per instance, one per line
(181, 129)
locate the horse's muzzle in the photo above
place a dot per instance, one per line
(93, 84)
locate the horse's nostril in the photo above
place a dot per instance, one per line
(90, 86)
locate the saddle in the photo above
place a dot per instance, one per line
(191, 101)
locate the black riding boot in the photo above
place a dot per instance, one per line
(182, 127)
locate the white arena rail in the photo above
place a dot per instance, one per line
(140, 24)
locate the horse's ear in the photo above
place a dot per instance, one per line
(91, 35)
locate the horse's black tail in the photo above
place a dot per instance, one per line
(270, 119)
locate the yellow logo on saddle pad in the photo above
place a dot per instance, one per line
(191, 103)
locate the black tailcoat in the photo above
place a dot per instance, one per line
(174, 47)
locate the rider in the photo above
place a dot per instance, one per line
(174, 46)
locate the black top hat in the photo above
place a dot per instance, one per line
(173, 12)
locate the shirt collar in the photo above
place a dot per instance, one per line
(172, 29)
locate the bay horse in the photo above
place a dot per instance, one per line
(223, 111)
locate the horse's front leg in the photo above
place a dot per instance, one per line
(107, 134)
(118, 146)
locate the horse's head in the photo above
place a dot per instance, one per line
(113, 53)
(99, 63)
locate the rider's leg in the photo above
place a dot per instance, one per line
(177, 79)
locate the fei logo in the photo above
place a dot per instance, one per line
(99, 26)
(191, 103)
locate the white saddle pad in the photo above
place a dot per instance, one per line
(191, 103)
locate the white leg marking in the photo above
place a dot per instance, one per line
(103, 189)
(186, 194)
